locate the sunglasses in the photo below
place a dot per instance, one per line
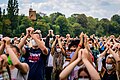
(73, 50)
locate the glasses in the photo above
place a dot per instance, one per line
(73, 50)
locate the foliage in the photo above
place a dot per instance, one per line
(12, 24)
(12, 13)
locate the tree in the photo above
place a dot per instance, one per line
(91, 25)
(99, 31)
(44, 27)
(0, 14)
(54, 16)
(6, 25)
(105, 23)
(116, 18)
(77, 29)
(38, 16)
(114, 28)
(56, 29)
(63, 23)
(81, 19)
(72, 20)
(13, 13)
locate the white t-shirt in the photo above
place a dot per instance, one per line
(50, 61)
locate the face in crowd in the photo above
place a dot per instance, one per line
(110, 63)
(83, 74)
(34, 44)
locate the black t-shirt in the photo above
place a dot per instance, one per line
(36, 61)
(49, 40)
(112, 76)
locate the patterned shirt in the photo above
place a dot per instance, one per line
(4, 75)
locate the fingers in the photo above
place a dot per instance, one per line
(84, 54)
(57, 37)
(29, 30)
(5, 62)
(6, 40)
(80, 54)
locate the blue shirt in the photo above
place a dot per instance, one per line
(37, 62)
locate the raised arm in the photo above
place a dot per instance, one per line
(115, 55)
(61, 47)
(53, 45)
(23, 41)
(3, 61)
(2, 46)
(92, 71)
(40, 43)
(23, 67)
(64, 74)
(78, 48)
(104, 53)
(117, 58)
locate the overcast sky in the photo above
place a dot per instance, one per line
(95, 8)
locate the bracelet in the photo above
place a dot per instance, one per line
(79, 45)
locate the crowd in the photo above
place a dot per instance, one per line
(54, 57)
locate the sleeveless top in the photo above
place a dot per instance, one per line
(17, 75)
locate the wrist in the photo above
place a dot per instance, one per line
(118, 61)
(32, 35)
(79, 45)
(1, 58)
(7, 46)
(27, 36)
(84, 59)
(78, 59)
(3, 44)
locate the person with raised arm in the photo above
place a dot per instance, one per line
(18, 70)
(87, 71)
(35, 56)
(58, 53)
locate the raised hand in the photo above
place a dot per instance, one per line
(80, 54)
(81, 38)
(29, 30)
(84, 54)
(85, 41)
(57, 37)
(6, 40)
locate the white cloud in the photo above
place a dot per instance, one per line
(24, 1)
(3, 5)
(95, 8)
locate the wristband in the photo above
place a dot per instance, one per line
(79, 45)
